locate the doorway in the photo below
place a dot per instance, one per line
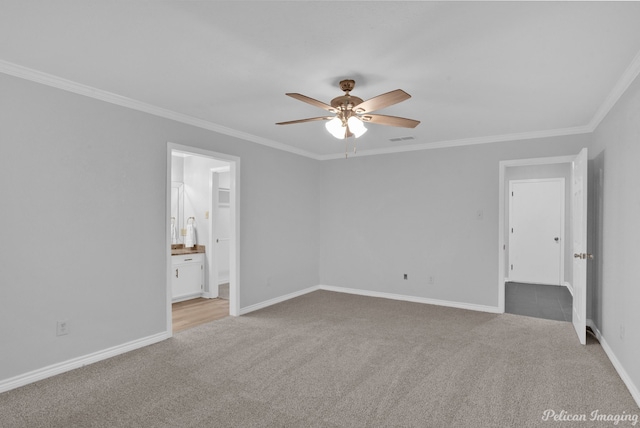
(575, 250)
(199, 174)
(538, 301)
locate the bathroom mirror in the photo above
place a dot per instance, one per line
(177, 211)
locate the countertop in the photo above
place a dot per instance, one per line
(180, 250)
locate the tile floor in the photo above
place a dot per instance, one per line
(540, 301)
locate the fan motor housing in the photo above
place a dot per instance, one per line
(345, 102)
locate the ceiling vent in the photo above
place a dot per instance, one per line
(395, 140)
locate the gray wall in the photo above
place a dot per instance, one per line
(416, 213)
(616, 244)
(84, 222)
(75, 170)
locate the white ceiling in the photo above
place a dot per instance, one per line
(477, 71)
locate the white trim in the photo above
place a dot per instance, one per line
(109, 97)
(74, 363)
(33, 75)
(276, 300)
(368, 293)
(569, 287)
(503, 165)
(538, 161)
(221, 169)
(189, 297)
(633, 388)
(618, 90)
(466, 142)
(414, 299)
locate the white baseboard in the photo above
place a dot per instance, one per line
(74, 363)
(415, 299)
(188, 297)
(569, 287)
(633, 388)
(275, 300)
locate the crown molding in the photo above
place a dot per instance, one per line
(630, 74)
(618, 90)
(109, 97)
(467, 142)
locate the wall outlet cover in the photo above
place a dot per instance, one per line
(62, 328)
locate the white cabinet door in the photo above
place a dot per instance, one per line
(187, 277)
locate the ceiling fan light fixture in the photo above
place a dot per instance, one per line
(356, 126)
(335, 128)
(350, 111)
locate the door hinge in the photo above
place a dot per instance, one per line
(512, 230)
(511, 193)
(511, 267)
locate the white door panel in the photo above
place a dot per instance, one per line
(579, 244)
(536, 231)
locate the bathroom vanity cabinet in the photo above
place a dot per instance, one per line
(187, 276)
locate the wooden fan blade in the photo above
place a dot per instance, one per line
(311, 119)
(381, 119)
(312, 101)
(381, 101)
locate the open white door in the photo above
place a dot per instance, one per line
(220, 227)
(579, 228)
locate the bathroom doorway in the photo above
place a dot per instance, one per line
(202, 247)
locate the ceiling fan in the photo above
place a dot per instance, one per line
(352, 112)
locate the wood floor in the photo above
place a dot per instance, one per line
(191, 313)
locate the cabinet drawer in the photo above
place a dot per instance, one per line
(187, 258)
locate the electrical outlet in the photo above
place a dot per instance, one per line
(406, 276)
(62, 328)
(432, 280)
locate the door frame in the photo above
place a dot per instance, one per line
(234, 251)
(502, 252)
(508, 254)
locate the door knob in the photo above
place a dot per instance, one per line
(583, 256)
(556, 239)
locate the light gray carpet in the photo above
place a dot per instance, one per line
(335, 360)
